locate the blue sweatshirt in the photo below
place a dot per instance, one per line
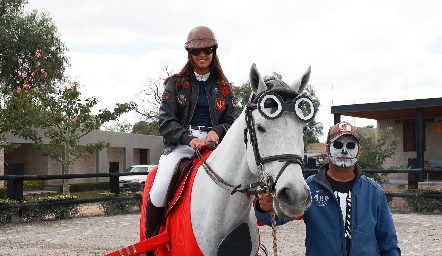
(372, 227)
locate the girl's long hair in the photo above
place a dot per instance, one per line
(187, 71)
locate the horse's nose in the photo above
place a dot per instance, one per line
(291, 196)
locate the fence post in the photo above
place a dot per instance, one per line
(15, 187)
(413, 178)
(114, 180)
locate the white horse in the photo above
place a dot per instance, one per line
(263, 146)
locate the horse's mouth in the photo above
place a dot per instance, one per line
(293, 210)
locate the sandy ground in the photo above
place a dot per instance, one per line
(418, 235)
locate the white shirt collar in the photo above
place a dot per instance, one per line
(201, 77)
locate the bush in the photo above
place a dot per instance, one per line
(425, 204)
(38, 184)
(40, 212)
(3, 192)
(81, 187)
(6, 215)
(114, 207)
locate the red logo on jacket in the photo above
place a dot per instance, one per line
(165, 96)
(220, 104)
(225, 91)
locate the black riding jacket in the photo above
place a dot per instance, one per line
(178, 105)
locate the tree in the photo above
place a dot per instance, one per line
(314, 128)
(151, 101)
(37, 100)
(148, 128)
(66, 119)
(374, 153)
(119, 126)
(242, 96)
(28, 42)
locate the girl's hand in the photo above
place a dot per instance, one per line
(212, 136)
(197, 143)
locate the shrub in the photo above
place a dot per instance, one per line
(46, 211)
(114, 207)
(3, 192)
(425, 204)
(39, 184)
(81, 187)
(61, 212)
(7, 214)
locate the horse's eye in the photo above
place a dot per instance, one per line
(260, 128)
(304, 129)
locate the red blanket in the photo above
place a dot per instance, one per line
(178, 223)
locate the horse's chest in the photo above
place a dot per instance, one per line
(220, 221)
(207, 220)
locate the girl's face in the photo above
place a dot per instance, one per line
(202, 59)
(344, 151)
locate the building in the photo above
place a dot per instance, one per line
(125, 148)
(417, 124)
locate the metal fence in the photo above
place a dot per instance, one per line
(15, 185)
(15, 188)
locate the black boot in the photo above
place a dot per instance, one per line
(154, 216)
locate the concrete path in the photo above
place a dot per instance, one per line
(418, 235)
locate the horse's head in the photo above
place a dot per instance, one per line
(276, 117)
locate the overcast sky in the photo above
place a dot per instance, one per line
(359, 51)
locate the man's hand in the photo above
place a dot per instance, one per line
(266, 202)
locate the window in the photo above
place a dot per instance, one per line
(410, 136)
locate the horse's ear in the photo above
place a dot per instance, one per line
(299, 85)
(256, 82)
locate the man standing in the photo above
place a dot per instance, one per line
(349, 214)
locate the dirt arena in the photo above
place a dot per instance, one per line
(418, 235)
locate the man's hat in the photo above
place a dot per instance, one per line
(340, 129)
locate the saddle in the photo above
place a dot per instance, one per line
(178, 181)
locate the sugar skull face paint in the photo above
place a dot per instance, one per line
(343, 152)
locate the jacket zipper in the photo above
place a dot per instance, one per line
(339, 214)
(210, 100)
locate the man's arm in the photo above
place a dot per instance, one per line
(386, 232)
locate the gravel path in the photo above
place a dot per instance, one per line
(418, 235)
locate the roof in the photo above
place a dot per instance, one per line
(405, 109)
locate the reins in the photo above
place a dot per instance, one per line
(246, 190)
(222, 183)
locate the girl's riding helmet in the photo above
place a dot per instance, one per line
(200, 37)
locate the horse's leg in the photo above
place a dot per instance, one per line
(237, 242)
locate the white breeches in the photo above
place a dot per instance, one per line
(166, 166)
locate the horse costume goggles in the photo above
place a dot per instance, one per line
(271, 106)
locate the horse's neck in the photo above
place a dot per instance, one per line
(229, 159)
(214, 211)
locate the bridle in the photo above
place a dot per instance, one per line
(265, 184)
